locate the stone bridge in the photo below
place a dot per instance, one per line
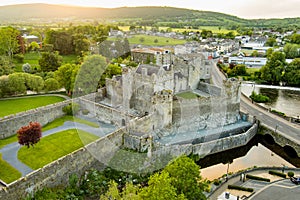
(290, 146)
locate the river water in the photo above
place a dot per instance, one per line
(283, 99)
(253, 154)
(257, 152)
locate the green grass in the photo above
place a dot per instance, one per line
(149, 40)
(8, 174)
(9, 140)
(60, 121)
(252, 70)
(56, 123)
(69, 59)
(54, 146)
(187, 95)
(13, 106)
(32, 58)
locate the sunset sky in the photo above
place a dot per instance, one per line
(240, 8)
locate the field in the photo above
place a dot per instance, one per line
(8, 174)
(153, 40)
(32, 58)
(187, 95)
(13, 106)
(214, 29)
(54, 146)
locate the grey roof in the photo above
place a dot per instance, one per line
(151, 69)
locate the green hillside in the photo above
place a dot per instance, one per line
(144, 16)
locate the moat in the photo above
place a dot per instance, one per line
(258, 152)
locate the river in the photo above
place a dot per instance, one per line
(257, 153)
(283, 99)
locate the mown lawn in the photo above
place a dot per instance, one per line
(60, 121)
(54, 146)
(8, 174)
(56, 123)
(152, 40)
(187, 95)
(13, 106)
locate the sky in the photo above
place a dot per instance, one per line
(242, 8)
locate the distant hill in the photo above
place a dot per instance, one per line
(167, 16)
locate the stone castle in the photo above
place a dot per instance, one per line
(174, 93)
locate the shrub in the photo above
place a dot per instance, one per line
(85, 112)
(259, 98)
(217, 181)
(236, 187)
(26, 68)
(290, 174)
(257, 178)
(277, 174)
(278, 113)
(19, 58)
(71, 109)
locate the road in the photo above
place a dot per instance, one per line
(288, 129)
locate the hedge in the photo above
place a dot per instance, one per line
(257, 178)
(236, 187)
(277, 174)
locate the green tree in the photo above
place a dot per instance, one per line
(88, 77)
(34, 46)
(51, 84)
(65, 75)
(185, 177)
(271, 42)
(5, 66)
(61, 40)
(295, 38)
(112, 192)
(5, 87)
(160, 188)
(50, 61)
(81, 44)
(17, 83)
(272, 71)
(291, 50)
(292, 73)
(9, 43)
(35, 83)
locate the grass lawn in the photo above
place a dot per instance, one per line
(56, 123)
(13, 106)
(32, 58)
(54, 146)
(149, 40)
(60, 121)
(8, 174)
(251, 70)
(187, 95)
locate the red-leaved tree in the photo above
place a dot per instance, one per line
(30, 135)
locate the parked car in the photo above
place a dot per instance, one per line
(295, 180)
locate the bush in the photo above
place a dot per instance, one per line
(278, 113)
(71, 109)
(85, 112)
(26, 68)
(19, 58)
(249, 176)
(290, 174)
(277, 174)
(236, 187)
(217, 181)
(259, 98)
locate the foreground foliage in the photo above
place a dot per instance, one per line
(180, 180)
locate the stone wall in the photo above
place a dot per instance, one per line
(210, 89)
(202, 149)
(57, 173)
(9, 125)
(104, 113)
